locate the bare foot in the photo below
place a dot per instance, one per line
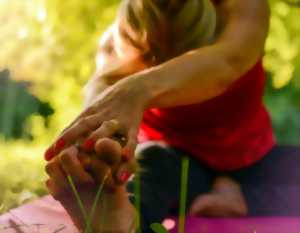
(114, 213)
(225, 200)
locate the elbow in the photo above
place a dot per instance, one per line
(240, 61)
(229, 73)
(238, 65)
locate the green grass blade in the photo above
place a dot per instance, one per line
(79, 202)
(137, 194)
(158, 228)
(97, 198)
(183, 194)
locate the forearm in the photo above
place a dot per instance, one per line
(91, 91)
(191, 78)
(209, 71)
(112, 73)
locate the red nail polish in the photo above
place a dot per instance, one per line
(88, 145)
(49, 154)
(124, 177)
(60, 144)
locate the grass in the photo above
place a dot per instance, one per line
(80, 204)
(137, 193)
(156, 227)
(183, 194)
(87, 218)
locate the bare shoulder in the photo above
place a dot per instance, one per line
(105, 47)
(115, 58)
(243, 29)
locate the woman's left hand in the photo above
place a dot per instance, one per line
(124, 102)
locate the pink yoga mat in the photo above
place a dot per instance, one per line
(47, 216)
(245, 225)
(44, 215)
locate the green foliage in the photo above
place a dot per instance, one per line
(284, 106)
(17, 106)
(21, 174)
(183, 194)
(52, 44)
(80, 204)
(282, 61)
(295, 3)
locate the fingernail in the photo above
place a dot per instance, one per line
(49, 154)
(88, 145)
(60, 144)
(124, 176)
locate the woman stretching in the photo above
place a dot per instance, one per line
(180, 77)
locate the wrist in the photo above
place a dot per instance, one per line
(139, 90)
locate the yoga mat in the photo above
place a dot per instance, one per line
(46, 215)
(242, 225)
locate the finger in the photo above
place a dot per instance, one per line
(107, 129)
(87, 112)
(109, 151)
(129, 148)
(125, 171)
(60, 143)
(53, 189)
(83, 126)
(72, 166)
(102, 173)
(49, 153)
(129, 166)
(56, 173)
(85, 160)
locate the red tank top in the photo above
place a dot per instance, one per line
(228, 132)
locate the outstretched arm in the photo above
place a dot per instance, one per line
(191, 78)
(112, 64)
(207, 72)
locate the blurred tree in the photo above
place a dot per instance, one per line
(284, 105)
(293, 2)
(282, 61)
(52, 44)
(17, 105)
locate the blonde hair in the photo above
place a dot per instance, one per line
(162, 29)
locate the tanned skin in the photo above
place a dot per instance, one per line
(187, 79)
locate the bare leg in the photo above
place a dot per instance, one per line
(225, 200)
